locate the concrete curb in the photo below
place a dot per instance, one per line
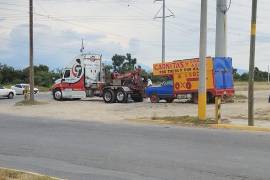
(240, 127)
(214, 126)
(31, 173)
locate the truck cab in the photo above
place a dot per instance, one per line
(82, 77)
(161, 92)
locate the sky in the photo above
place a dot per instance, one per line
(111, 27)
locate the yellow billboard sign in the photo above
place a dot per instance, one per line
(185, 73)
(179, 66)
(189, 81)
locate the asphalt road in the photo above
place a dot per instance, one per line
(96, 151)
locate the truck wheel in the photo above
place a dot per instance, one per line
(57, 95)
(195, 98)
(210, 98)
(10, 96)
(108, 96)
(169, 100)
(154, 98)
(137, 98)
(121, 96)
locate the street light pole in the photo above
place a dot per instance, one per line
(221, 28)
(31, 68)
(202, 66)
(163, 31)
(252, 64)
(221, 43)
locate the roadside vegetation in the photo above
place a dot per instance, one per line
(243, 85)
(178, 120)
(44, 77)
(6, 174)
(29, 103)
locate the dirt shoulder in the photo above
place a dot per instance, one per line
(96, 110)
(9, 174)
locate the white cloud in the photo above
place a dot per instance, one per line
(121, 26)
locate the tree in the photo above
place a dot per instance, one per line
(129, 65)
(1, 76)
(43, 76)
(123, 63)
(236, 75)
(118, 61)
(244, 77)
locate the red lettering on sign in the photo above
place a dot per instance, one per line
(188, 85)
(183, 85)
(177, 86)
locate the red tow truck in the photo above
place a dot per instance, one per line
(84, 77)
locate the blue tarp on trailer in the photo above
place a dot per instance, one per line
(223, 73)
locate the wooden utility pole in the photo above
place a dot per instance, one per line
(31, 47)
(268, 80)
(252, 64)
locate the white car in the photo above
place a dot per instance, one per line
(9, 93)
(21, 88)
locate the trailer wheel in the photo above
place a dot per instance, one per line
(57, 95)
(154, 98)
(108, 96)
(121, 96)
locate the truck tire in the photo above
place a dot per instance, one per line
(195, 98)
(121, 96)
(57, 95)
(137, 98)
(169, 100)
(108, 96)
(210, 98)
(10, 95)
(154, 98)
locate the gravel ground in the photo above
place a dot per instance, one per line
(94, 109)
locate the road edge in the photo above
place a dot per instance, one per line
(240, 127)
(29, 172)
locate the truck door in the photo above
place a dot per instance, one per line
(167, 88)
(2, 91)
(66, 78)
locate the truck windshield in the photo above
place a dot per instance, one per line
(166, 83)
(169, 82)
(67, 74)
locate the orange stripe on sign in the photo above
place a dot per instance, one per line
(192, 79)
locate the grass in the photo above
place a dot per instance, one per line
(240, 96)
(7, 174)
(29, 103)
(243, 86)
(188, 120)
(236, 98)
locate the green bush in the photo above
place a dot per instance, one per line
(43, 76)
